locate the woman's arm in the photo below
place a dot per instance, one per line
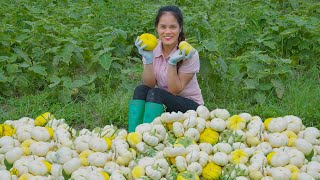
(148, 77)
(177, 81)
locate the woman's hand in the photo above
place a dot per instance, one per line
(148, 55)
(176, 56)
(191, 53)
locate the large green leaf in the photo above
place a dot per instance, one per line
(67, 52)
(288, 31)
(260, 97)
(282, 70)
(53, 49)
(210, 45)
(104, 42)
(65, 95)
(37, 53)
(13, 59)
(38, 69)
(3, 78)
(265, 58)
(279, 87)
(90, 78)
(265, 86)
(21, 37)
(13, 68)
(78, 83)
(3, 58)
(236, 74)
(205, 67)
(24, 65)
(253, 68)
(288, 61)
(250, 84)
(78, 54)
(22, 54)
(67, 82)
(270, 44)
(105, 60)
(55, 80)
(223, 67)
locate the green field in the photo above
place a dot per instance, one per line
(77, 59)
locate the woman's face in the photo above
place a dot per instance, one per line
(168, 29)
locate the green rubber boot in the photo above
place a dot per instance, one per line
(136, 111)
(152, 110)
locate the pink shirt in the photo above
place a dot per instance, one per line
(160, 65)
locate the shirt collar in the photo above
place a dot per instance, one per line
(157, 52)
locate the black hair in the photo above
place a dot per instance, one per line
(177, 14)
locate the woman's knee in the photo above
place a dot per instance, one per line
(155, 95)
(140, 92)
(142, 88)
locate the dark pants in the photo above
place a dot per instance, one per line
(161, 96)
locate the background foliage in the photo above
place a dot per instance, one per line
(252, 53)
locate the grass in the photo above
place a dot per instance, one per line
(301, 99)
(91, 110)
(85, 111)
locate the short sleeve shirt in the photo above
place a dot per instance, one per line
(160, 65)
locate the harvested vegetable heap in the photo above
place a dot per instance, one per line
(193, 145)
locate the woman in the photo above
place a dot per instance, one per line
(169, 76)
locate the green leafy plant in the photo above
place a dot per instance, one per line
(260, 73)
